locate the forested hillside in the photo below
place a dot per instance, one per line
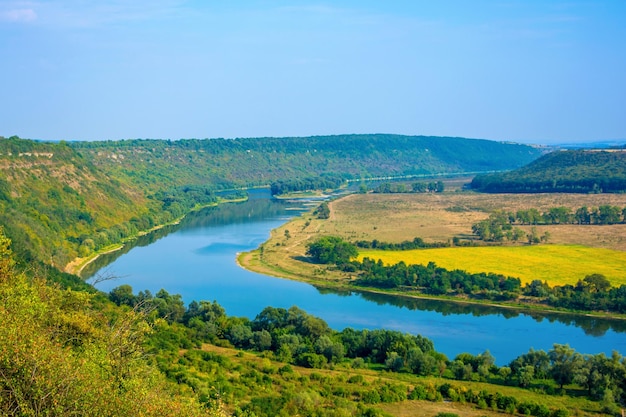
(576, 171)
(52, 198)
(67, 352)
(227, 163)
(63, 200)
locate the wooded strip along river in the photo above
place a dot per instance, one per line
(197, 259)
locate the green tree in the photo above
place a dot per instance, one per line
(596, 283)
(582, 215)
(394, 362)
(323, 211)
(565, 364)
(608, 214)
(525, 375)
(123, 295)
(331, 250)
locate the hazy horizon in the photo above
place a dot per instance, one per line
(525, 72)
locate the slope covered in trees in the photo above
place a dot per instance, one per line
(575, 171)
(63, 200)
(227, 163)
(67, 352)
(52, 200)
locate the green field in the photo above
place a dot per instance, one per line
(556, 264)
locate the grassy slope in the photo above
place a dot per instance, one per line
(52, 196)
(260, 161)
(325, 388)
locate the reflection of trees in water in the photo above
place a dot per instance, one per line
(592, 326)
(260, 207)
(253, 210)
(105, 259)
(234, 213)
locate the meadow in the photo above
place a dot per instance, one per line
(573, 251)
(555, 264)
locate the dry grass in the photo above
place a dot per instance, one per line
(439, 217)
(432, 217)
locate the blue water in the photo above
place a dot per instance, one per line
(198, 260)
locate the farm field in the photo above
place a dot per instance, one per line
(556, 264)
(441, 217)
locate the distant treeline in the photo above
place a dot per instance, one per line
(322, 182)
(499, 225)
(416, 187)
(576, 171)
(416, 243)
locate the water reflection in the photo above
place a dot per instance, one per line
(201, 253)
(256, 208)
(592, 326)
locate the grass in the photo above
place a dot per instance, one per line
(440, 217)
(302, 380)
(556, 264)
(574, 251)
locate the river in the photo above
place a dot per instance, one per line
(197, 259)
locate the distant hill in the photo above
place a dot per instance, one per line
(572, 171)
(63, 200)
(227, 163)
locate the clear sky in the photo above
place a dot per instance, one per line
(521, 70)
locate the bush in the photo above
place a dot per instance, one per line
(418, 393)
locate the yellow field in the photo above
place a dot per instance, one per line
(556, 264)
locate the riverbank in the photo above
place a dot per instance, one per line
(252, 261)
(283, 255)
(77, 265)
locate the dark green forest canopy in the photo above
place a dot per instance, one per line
(578, 171)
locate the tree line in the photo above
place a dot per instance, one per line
(593, 293)
(416, 243)
(322, 182)
(295, 337)
(416, 187)
(499, 225)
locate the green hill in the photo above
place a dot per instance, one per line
(62, 200)
(227, 163)
(575, 171)
(52, 199)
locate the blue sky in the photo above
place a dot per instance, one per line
(527, 71)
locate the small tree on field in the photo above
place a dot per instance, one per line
(331, 250)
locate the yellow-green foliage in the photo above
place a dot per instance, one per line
(556, 264)
(61, 357)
